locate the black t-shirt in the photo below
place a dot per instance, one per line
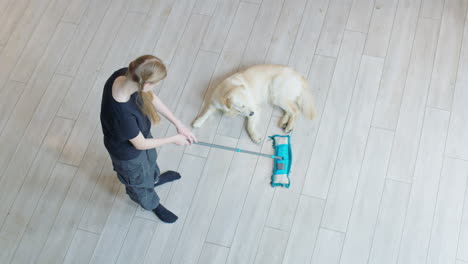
(121, 121)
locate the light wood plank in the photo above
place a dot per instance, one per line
(4, 5)
(95, 56)
(190, 101)
(229, 208)
(137, 241)
(302, 54)
(213, 254)
(448, 212)
(44, 214)
(205, 7)
(448, 55)
(113, 236)
(256, 206)
(286, 32)
(179, 200)
(88, 119)
(328, 247)
(28, 147)
(457, 140)
(151, 29)
(36, 180)
(75, 11)
(81, 248)
(227, 214)
(353, 145)
(172, 33)
(358, 241)
(40, 38)
(304, 232)
(229, 61)
(140, 6)
(11, 15)
(220, 24)
(247, 205)
(360, 15)
(181, 66)
(19, 38)
(76, 200)
(334, 116)
(462, 252)
(333, 28)
(25, 108)
(99, 205)
(204, 202)
(410, 122)
(84, 41)
(262, 33)
(390, 221)
(303, 140)
(380, 27)
(396, 64)
(9, 96)
(283, 206)
(231, 126)
(432, 8)
(227, 64)
(234, 193)
(272, 246)
(422, 203)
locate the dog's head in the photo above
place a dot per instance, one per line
(238, 101)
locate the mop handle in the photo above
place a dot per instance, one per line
(238, 150)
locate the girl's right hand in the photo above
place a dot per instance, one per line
(180, 140)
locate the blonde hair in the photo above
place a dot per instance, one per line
(147, 69)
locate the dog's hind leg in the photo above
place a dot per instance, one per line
(207, 110)
(283, 121)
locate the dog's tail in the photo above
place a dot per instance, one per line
(306, 102)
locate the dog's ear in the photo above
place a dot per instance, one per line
(227, 98)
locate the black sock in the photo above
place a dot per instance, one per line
(164, 215)
(167, 176)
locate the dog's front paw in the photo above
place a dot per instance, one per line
(255, 138)
(197, 123)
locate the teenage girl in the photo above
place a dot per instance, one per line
(129, 107)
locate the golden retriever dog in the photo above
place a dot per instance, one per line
(244, 93)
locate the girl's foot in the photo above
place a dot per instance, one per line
(167, 176)
(165, 215)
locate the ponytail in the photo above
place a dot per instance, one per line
(147, 69)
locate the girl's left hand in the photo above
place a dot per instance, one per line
(182, 129)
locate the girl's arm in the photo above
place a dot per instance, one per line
(142, 143)
(163, 110)
(181, 128)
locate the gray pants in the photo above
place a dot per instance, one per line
(139, 175)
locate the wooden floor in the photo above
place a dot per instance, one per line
(380, 176)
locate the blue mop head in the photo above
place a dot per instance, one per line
(281, 168)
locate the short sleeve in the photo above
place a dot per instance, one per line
(128, 127)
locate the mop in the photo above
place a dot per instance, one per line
(282, 158)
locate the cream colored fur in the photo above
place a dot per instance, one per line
(245, 92)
